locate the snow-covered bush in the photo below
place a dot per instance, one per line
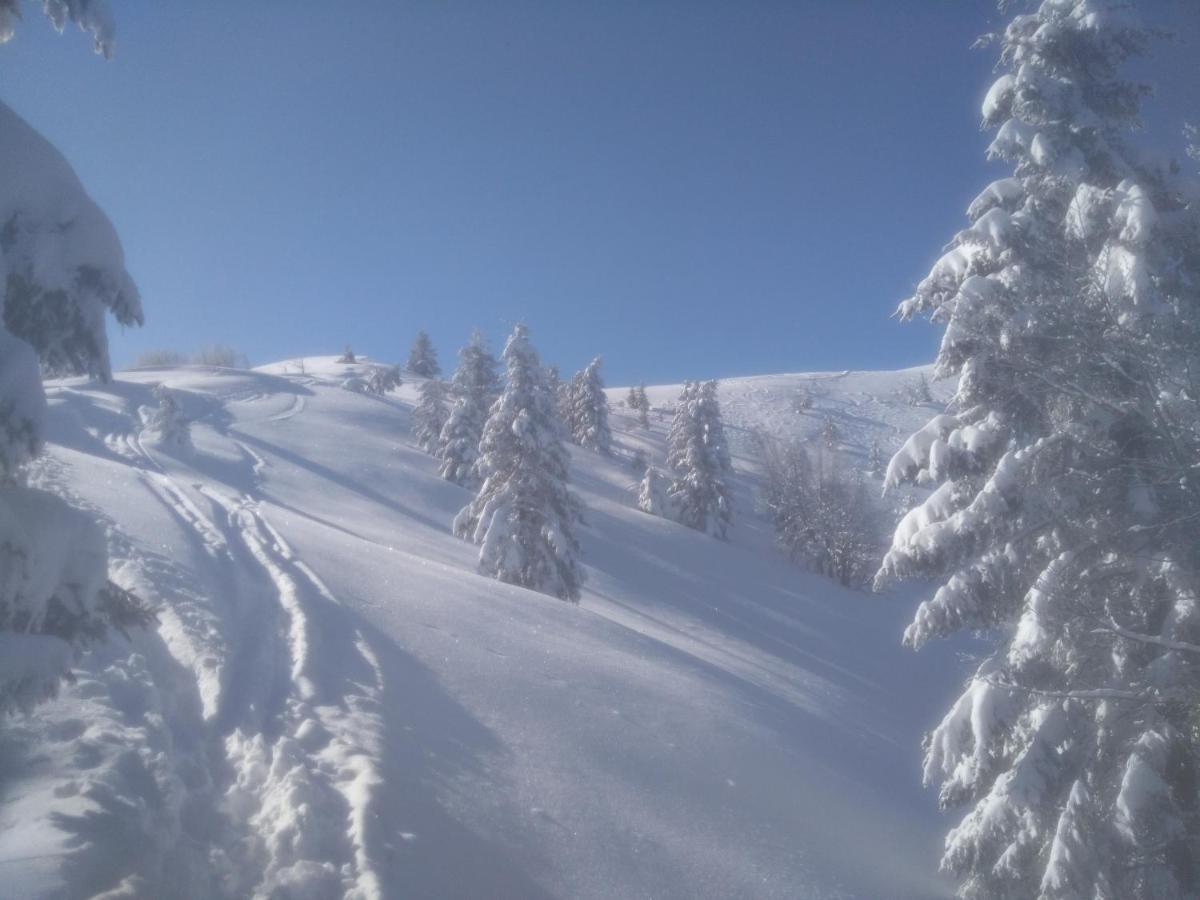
(165, 424)
(917, 391)
(382, 380)
(221, 355)
(1064, 519)
(160, 359)
(654, 494)
(821, 513)
(523, 517)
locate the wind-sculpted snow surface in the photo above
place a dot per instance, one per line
(336, 705)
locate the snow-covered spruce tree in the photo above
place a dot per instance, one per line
(61, 270)
(523, 516)
(698, 458)
(474, 388)
(589, 410)
(165, 423)
(431, 414)
(1064, 523)
(422, 358)
(642, 405)
(565, 401)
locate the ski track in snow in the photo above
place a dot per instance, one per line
(302, 751)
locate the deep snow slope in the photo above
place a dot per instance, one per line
(335, 704)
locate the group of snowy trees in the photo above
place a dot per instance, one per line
(819, 509)
(694, 490)
(61, 271)
(637, 401)
(523, 515)
(1064, 524)
(504, 439)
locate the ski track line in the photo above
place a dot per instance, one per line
(297, 407)
(321, 703)
(323, 760)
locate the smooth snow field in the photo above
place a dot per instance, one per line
(335, 704)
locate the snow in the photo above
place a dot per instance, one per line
(336, 704)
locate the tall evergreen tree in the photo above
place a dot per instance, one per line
(698, 457)
(639, 403)
(1064, 524)
(474, 387)
(589, 410)
(431, 413)
(523, 516)
(422, 358)
(62, 271)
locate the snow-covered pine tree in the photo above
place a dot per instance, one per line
(553, 381)
(567, 392)
(165, 423)
(643, 406)
(422, 358)
(431, 414)
(698, 457)
(589, 410)
(61, 270)
(474, 388)
(1064, 523)
(523, 516)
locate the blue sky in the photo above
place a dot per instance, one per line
(692, 189)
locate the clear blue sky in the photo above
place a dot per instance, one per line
(691, 188)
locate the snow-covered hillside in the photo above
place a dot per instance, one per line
(335, 704)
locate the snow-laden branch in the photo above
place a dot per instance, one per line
(1182, 646)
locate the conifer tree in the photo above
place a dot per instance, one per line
(422, 358)
(431, 414)
(62, 271)
(567, 410)
(473, 387)
(523, 516)
(1064, 523)
(589, 410)
(641, 403)
(698, 457)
